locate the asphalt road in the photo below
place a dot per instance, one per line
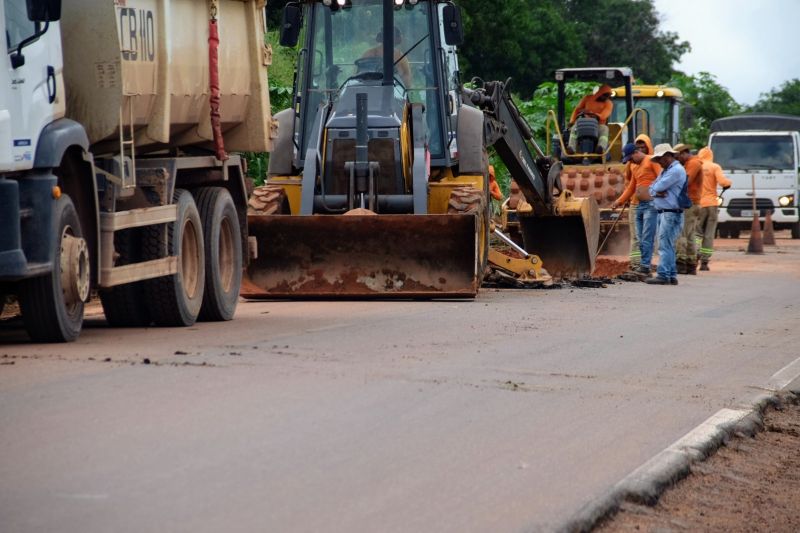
(508, 413)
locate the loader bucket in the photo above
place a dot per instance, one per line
(362, 256)
(566, 241)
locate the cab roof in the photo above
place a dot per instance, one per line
(609, 75)
(651, 91)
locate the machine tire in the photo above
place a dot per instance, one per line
(175, 300)
(223, 253)
(46, 313)
(796, 230)
(733, 233)
(466, 200)
(723, 232)
(125, 305)
(268, 200)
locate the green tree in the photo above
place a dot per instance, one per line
(522, 39)
(625, 33)
(784, 100)
(707, 100)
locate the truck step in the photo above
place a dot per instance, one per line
(110, 277)
(134, 218)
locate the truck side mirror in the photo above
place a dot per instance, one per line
(290, 25)
(453, 29)
(44, 10)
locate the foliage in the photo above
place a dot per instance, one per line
(524, 39)
(707, 100)
(625, 33)
(785, 100)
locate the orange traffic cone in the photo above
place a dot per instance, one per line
(756, 244)
(769, 232)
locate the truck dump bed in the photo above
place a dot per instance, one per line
(146, 62)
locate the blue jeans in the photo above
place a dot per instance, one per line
(646, 217)
(669, 229)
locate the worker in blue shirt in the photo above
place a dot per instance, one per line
(665, 191)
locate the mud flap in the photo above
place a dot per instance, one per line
(362, 256)
(567, 241)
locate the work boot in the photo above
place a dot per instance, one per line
(691, 269)
(643, 271)
(704, 265)
(681, 267)
(673, 281)
(658, 280)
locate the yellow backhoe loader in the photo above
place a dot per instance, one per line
(378, 181)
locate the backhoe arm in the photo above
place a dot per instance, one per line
(510, 135)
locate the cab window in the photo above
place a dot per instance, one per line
(18, 27)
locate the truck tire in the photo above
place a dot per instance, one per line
(52, 305)
(175, 300)
(796, 230)
(467, 200)
(125, 305)
(734, 232)
(223, 253)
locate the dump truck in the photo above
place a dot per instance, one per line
(116, 119)
(378, 182)
(760, 154)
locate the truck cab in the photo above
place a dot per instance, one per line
(760, 154)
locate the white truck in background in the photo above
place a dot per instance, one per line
(113, 170)
(764, 148)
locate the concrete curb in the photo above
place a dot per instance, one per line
(646, 484)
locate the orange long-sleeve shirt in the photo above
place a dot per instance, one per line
(590, 104)
(643, 174)
(712, 177)
(694, 173)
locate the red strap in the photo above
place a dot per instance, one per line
(213, 78)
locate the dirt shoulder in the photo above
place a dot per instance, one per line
(751, 484)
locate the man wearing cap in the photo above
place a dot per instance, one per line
(643, 172)
(665, 191)
(686, 248)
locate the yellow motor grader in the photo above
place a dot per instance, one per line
(378, 180)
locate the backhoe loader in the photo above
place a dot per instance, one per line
(377, 184)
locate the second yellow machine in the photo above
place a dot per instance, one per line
(378, 181)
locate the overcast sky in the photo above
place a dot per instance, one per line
(751, 46)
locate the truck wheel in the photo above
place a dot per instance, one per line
(467, 200)
(223, 253)
(175, 300)
(52, 305)
(723, 232)
(796, 230)
(733, 233)
(125, 305)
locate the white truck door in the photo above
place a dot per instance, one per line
(33, 92)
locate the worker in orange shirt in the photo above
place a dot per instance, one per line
(596, 105)
(643, 172)
(707, 219)
(494, 187)
(686, 249)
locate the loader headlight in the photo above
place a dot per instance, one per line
(786, 201)
(398, 2)
(660, 93)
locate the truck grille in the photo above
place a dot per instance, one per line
(763, 205)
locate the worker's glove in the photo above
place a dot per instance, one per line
(726, 188)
